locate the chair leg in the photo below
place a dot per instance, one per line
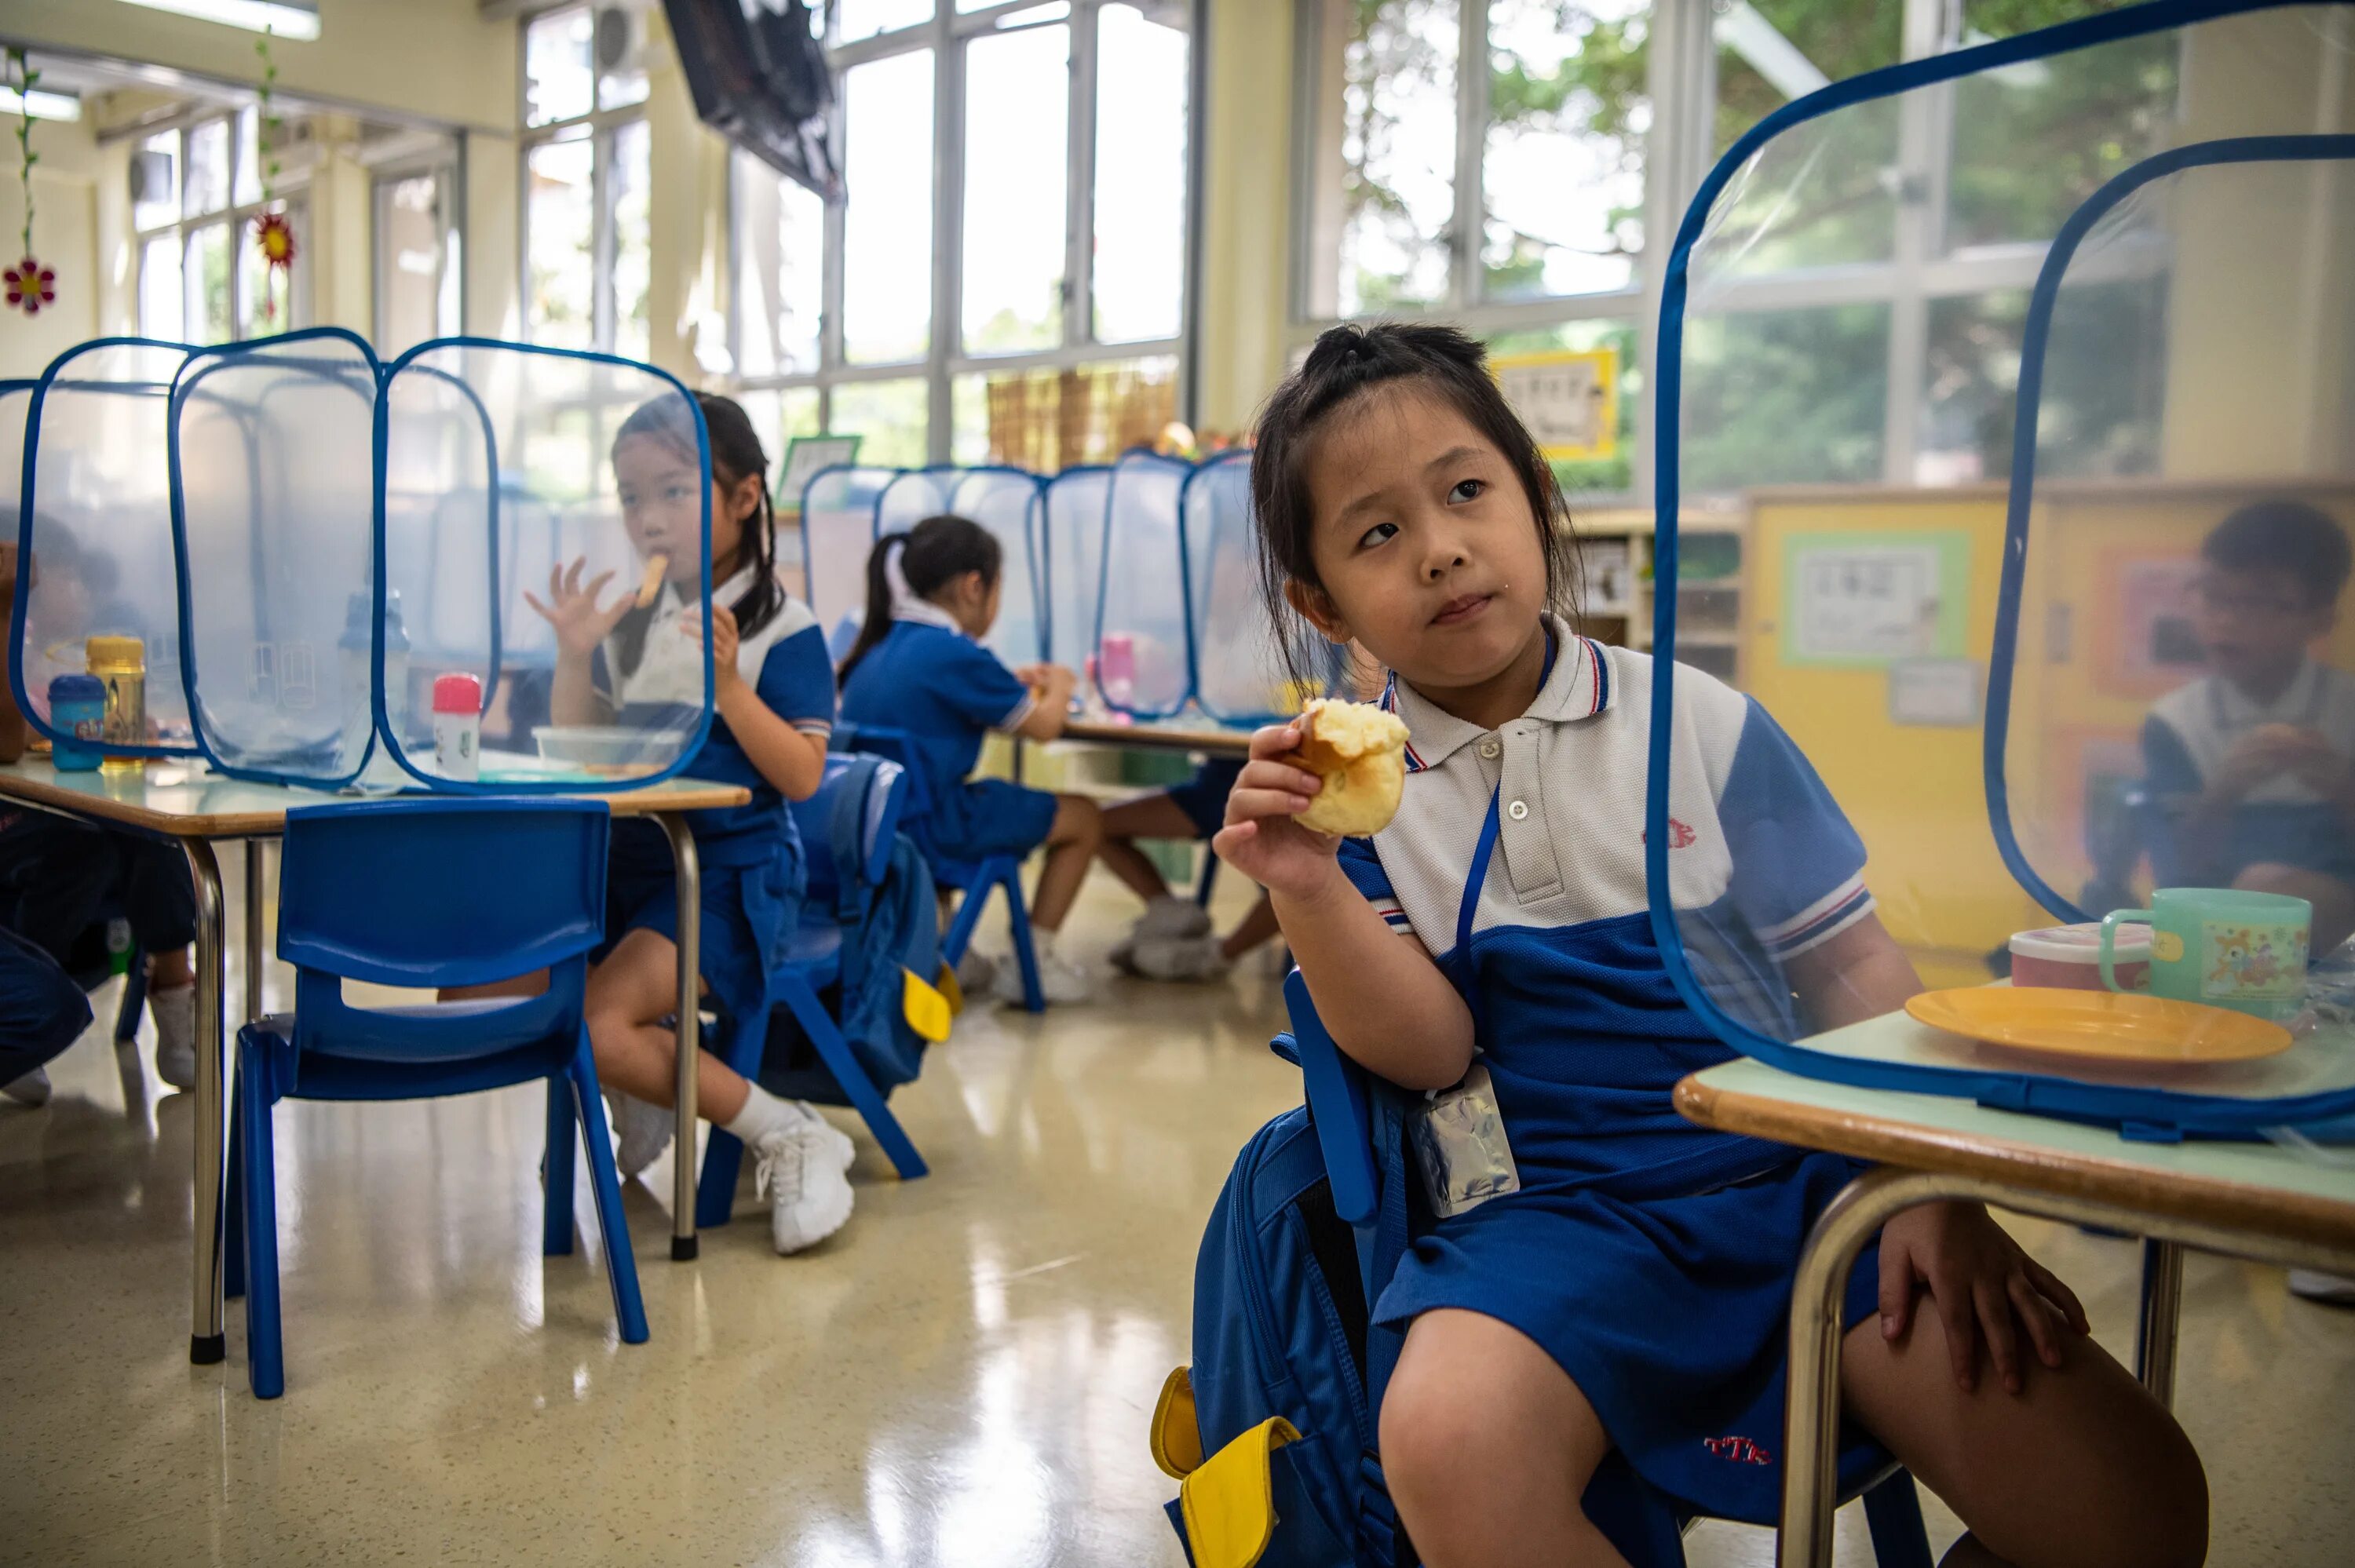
(621, 1262)
(232, 1203)
(723, 1151)
(1018, 921)
(1893, 1516)
(1209, 877)
(265, 1365)
(555, 1170)
(960, 924)
(835, 1051)
(134, 998)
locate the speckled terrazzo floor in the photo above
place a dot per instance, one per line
(962, 1377)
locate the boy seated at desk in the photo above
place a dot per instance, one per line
(58, 878)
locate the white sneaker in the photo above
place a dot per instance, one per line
(2328, 1289)
(803, 1171)
(641, 1132)
(977, 972)
(32, 1089)
(1181, 958)
(1170, 915)
(1061, 981)
(175, 1013)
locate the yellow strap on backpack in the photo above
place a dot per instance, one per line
(1228, 1503)
(1177, 1435)
(926, 1010)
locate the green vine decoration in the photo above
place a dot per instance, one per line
(30, 286)
(273, 235)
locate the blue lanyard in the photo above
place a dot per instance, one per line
(1460, 965)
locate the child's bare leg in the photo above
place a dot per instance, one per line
(1071, 845)
(1256, 927)
(1146, 817)
(2081, 1469)
(1486, 1446)
(636, 985)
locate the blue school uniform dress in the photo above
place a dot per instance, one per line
(2186, 739)
(927, 679)
(1651, 1259)
(750, 855)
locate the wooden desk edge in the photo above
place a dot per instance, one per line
(1219, 742)
(267, 824)
(1893, 1141)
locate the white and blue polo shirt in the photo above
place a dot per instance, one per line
(1583, 1033)
(2185, 741)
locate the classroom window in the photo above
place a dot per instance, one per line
(196, 192)
(966, 256)
(417, 258)
(1512, 165)
(586, 175)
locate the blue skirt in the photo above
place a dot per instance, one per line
(1203, 798)
(748, 911)
(984, 817)
(1671, 1315)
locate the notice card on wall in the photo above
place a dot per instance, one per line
(1568, 398)
(1869, 599)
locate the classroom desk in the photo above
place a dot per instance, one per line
(2249, 1200)
(184, 802)
(1192, 733)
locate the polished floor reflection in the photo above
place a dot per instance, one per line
(962, 1377)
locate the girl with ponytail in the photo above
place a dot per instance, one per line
(918, 667)
(772, 692)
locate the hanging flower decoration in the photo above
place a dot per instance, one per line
(273, 236)
(30, 286)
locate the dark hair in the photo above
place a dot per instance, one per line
(933, 553)
(736, 453)
(1346, 361)
(2283, 536)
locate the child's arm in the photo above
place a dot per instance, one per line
(580, 628)
(790, 757)
(1858, 974)
(1382, 998)
(1051, 686)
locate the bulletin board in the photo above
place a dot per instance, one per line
(1568, 398)
(1859, 600)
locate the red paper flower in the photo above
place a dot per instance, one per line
(275, 239)
(30, 286)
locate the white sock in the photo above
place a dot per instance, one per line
(1042, 944)
(175, 1013)
(762, 1115)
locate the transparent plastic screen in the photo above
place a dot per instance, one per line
(1240, 675)
(1007, 502)
(837, 534)
(1143, 646)
(914, 495)
(547, 530)
(2130, 233)
(1072, 541)
(275, 452)
(98, 539)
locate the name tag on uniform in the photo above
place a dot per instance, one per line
(1460, 1144)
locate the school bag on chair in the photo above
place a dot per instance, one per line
(1270, 1432)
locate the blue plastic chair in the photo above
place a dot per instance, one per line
(975, 879)
(427, 892)
(812, 961)
(1647, 1525)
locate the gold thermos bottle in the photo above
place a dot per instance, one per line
(121, 665)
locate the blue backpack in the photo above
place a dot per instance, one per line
(1270, 1433)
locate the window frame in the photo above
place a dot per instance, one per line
(1681, 82)
(291, 198)
(448, 169)
(946, 361)
(603, 126)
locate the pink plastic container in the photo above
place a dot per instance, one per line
(2069, 958)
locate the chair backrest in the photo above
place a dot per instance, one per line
(877, 790)
(441, 892)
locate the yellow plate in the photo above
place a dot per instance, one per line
(2112, 1025)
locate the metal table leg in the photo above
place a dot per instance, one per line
(205, 1343)
(2162, 1306)
(688, 873)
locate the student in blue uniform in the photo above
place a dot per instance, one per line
(773, 692)
(919, 666)
(1632, 1291)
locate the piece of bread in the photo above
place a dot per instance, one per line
(1359, 751)
(651, 584)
